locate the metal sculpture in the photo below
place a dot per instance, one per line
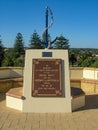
(45, 36)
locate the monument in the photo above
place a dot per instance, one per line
(46, 85)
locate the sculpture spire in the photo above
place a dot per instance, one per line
(45, 35)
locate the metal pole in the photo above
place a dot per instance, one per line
(46, 35)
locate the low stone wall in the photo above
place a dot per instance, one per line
(89, 86)
(90, 73)
(6, 84)
(75, 83)
(76, 72)
(11, 72)
(84, 78)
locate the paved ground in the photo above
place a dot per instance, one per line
(85, 118)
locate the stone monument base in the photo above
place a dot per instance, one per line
(46, 84)
(37, 84)
(14, 99)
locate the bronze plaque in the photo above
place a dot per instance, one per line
(47, 78)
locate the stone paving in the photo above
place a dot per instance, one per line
(85, 118)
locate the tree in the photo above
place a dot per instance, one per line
(87, 62)
(1, 51)
(19, 45)
(79, 60)
(61, 43)
(35, 42)
(72, 59)
(19, 61)
(15, 56)
(95, 63)
(9, 57)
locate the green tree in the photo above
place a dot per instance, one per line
(87, 62)
(1, 51)
(35, 41)
(15, 56)
(19, 45)
(19, 61)
(61, 43)
(72, 59)
(11, 60)
(95, 63)
(9, 57)
(79, 60)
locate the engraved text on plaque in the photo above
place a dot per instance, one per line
(46, 78)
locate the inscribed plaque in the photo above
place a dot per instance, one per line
(47, 80)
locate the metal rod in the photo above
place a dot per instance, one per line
(46, 35)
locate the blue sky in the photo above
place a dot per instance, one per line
(77, 20)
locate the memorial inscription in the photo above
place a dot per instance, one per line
(47, 77)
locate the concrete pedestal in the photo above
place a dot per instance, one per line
(46, 104)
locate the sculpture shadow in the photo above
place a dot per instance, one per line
(2, 96)
(91, 102)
